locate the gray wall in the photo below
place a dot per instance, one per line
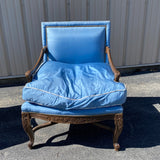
(135, 29)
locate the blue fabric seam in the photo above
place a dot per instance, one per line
(72, 98)
(76, 109)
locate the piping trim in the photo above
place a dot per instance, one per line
(73, 98)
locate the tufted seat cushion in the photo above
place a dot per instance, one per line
(74, 86)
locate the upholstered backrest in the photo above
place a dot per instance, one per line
(76, 42)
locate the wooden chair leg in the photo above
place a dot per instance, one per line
(118, 121)
(26, 122)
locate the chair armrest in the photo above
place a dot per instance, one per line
(115, 71)
(30, 72)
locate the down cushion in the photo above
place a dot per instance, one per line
(75, 86)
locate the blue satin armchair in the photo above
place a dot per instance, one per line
(74, 80)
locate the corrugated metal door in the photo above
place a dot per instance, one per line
(135, 29)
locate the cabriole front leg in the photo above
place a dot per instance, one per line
(118, 121)
(26, 122)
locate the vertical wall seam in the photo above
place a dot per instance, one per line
(33, 34)
(45, 9)
(126, 33)
(88, 10)
(158, 48)
(18, 39)
(26, 38)
(108, 10)
(143, 31)
(12, 39)
(68, 9)
(4, 44)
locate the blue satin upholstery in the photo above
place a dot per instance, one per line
(75, 86)
(77, 45)
(76, 42)
(73, 79)
(30, 107)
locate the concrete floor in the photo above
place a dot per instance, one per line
(139, 140)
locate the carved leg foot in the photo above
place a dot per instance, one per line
(118, 121)
(116, 146)
(26, 122)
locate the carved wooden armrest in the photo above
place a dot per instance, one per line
(30, 72)
(115, 71)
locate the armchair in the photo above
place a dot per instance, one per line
(74, 80)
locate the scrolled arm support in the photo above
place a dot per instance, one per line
(30, 72)
(115, 71)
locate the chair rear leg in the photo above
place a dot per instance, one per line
(118, 121)
(26, 122)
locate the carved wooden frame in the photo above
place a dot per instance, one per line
(53, 119)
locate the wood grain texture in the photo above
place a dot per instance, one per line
(30, 72)
(72, 119)
(26, 122)
(115, 71)
(118, 121)
(53, 119)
